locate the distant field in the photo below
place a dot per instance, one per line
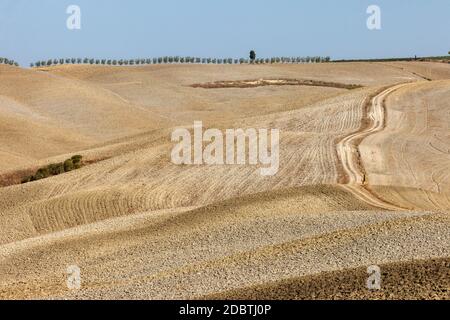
(437, 58)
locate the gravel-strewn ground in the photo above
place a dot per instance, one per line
(429, 279)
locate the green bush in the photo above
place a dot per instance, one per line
(68, 165)
(77, 161)
(55, 169)
(77, 158)
(42, 173)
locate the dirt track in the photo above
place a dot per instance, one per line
(350, 154)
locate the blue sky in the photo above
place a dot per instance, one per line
(31, 30)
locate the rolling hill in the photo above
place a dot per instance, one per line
(363, 180)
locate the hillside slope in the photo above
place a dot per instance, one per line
(362, 181)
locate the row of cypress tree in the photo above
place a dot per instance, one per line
(178, 59)
(8, 61)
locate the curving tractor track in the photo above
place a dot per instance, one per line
(350, 156)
